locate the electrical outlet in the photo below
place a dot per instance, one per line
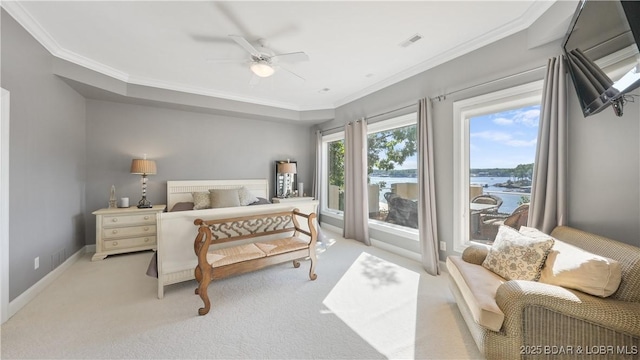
(36, 263)
(443, 246)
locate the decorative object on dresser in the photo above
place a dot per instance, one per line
(237, 256)
(286, 176)
(143, 167)
(112, 198)
(125, 230)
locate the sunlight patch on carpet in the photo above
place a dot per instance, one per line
(377, 299)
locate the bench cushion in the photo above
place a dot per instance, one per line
(279, 246)
(478, 286)
(235, 254)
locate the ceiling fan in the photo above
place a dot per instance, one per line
(264, 62)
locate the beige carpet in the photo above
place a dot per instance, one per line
(366, 304)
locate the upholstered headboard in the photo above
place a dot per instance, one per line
(180, 191)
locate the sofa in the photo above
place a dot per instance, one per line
(530, 319)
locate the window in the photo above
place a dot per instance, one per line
(494, 150)
(335, 200)
(392, 170)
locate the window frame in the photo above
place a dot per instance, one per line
(324, 191)
(463, 110)
(399, 121)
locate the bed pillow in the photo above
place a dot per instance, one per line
(572, 267)
(516, 256)
(246, 196)
(201, 200)
(221, 198)
(261, 201)
(182, 206)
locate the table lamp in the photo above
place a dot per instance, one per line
(143, 167)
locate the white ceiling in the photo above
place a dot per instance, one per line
(354, 47)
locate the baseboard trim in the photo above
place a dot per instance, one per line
(23, 299)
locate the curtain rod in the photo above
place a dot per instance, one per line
(374, 116)
(444, 96)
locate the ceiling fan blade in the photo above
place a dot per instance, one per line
(226, 61)
(246, 45)
(291, 72)
(292, 57)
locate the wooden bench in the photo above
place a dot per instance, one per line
(226, 247)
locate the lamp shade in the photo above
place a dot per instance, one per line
(287, 168)
(143, 166)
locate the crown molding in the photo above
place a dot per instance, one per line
(19, 13)
(33, 27)
(165, 85)
(529, 16)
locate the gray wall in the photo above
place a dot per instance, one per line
(604, 171)
(47, 160)
(604, 150)
(186, 146)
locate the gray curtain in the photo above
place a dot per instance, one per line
(548, 207)
(356, 200)
(317, 173)
(427, 220)
(317, 180)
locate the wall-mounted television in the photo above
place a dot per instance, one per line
(603, 33)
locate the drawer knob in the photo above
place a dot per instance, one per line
(114, 219)
(146, 228)
(146, 217)
(114, 231)
(146, 239)
(115, 243)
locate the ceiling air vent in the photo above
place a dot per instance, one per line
(411, 40)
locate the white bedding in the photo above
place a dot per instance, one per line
(176, 259)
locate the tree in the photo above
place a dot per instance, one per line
(523, 171)
(336, 163)
(386, 149)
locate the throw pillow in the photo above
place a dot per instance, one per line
(221, 198)
(475, 254)
(246, 196)
(572, 267)
(201, 200)
(515, 256)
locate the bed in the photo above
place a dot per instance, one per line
(175, 257)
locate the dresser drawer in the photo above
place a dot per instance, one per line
(124, 230)
(124, 220)
(129, 243)
(130, 231)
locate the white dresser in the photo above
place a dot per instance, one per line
(297, 199)
(124, 230)
(291, 199)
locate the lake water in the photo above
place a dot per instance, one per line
(510, 198)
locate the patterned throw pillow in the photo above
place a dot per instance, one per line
(246, 196)
(201, 200)
(516, 256)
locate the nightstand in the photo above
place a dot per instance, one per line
(124, 230)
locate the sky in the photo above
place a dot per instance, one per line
(505, 139)
(500, 140)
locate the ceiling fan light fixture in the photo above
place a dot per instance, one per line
(262, 69)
